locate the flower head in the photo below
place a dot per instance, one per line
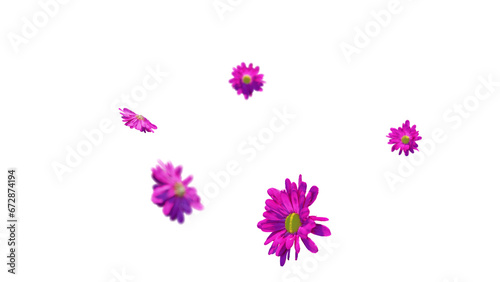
(246, 79)
(172, 193)
(404, 138)
(287, 218)
(137, 121)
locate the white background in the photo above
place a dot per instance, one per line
(440, 224)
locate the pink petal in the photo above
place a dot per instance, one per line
(321, 230)
(310, 245)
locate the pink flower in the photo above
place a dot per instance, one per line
(404, 138)
(137, 121)
(287, 217)
(172, 193)
(246, 79)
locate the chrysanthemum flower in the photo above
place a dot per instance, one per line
(137, 121)
(172, 193)
(246, 79)
(404, 138)
(287, 217)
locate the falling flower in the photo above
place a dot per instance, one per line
(138, 122)
(172, 193)
(404, 138)
(246, 79)
(287, 217)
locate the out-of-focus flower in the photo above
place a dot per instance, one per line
(137, 121)
(246, 79)
(172, 193)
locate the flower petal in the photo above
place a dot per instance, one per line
(317, 218)
(289, 241)
(286, 202)
(274, 235)
(283, 259)
(297, 247)
(180, 217)
(295, 201)
(274, 193)
(281, 248)
(275, 207)
(185, 206)
(311, 196)
(188, 180)
(321, 230)
(270, 226)
(272, 216)
(160, 194)
(167, 207)
(310, 245)
(288, 185)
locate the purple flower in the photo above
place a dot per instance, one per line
(172, 193)
(246, 79)
(404, 138)
(137, 121)
(287, 217)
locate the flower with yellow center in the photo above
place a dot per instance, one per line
(136, 121)
(404, 138)
(247, 79)
(287, 218)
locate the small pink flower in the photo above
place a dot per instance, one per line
(173, 193)
(138, 122)
(287, 218)
(246, 79)
(404, 138)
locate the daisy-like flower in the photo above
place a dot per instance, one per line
(404, 138)
(246, 79)
(172, 193)
(137, 121)
(287, 217)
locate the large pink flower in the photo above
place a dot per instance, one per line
(246, 79)
(172, 193)
(404, 138)
(137, 121)
(287, 217)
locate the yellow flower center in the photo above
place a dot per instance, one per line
(405, 139)
(139, 117)
(179, 189)
(292, 223)
(247, 79)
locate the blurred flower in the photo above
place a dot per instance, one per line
(246, 79)
(287, 217)
(404, 138)
(137, 121)
(172, 193)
